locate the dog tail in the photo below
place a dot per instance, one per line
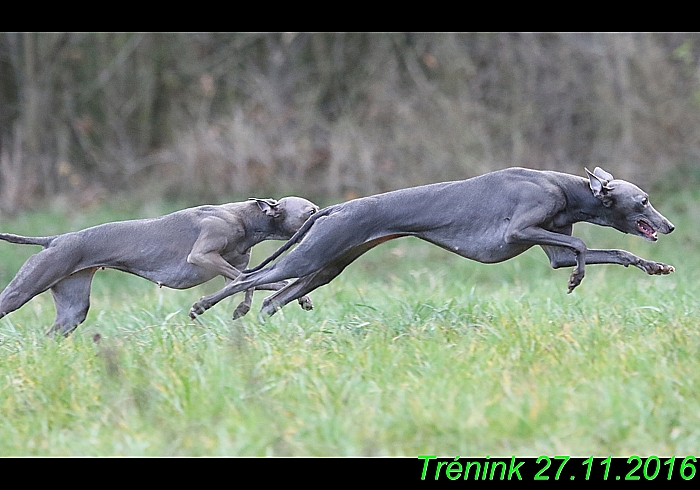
(44, 241)
(295, 239)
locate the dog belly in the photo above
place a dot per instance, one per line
(483, 251)
(497, 253)
(184, 279)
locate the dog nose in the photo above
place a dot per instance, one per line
(671, 227)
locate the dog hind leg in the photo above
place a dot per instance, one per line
(304, 285)
(40, 272)
(72, 301)
(244, 307)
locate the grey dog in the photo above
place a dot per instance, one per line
(179, 250)
(489, 218)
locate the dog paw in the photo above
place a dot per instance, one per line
(57, 331)
(657, 268)
(661, 268)
(306, 303)
(575, 279)
(197, 309)
(241, 310)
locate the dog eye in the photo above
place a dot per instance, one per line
(645, 201)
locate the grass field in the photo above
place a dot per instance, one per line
(410, 351)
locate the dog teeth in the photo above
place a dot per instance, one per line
(646, 229)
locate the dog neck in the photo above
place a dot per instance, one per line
(259, 227)
(582, 205)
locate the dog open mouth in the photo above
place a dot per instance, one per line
(647, 230)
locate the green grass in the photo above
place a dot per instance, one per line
(410, 351)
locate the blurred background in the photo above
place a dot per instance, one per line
(332, 116)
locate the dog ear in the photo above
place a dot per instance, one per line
(600, 187)
(268, 206)
(602, 174)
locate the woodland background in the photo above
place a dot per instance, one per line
(217, 117)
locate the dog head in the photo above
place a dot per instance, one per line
(626, 206)
(288, 214)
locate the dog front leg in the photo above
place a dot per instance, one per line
(534, 235)
(562, 257)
